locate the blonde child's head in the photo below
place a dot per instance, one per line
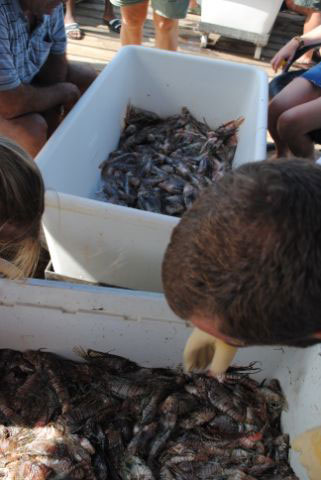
(21, 208)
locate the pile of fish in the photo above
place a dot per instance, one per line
(108, 418)
(161, 165)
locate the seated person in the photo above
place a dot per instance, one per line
(295, 111)
(38, 86)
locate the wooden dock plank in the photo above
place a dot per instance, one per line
(99, 45)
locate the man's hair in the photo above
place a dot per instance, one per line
(249, 252)
(21, 209)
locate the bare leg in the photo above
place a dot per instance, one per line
(298, 92)
(70, 19)
(193, 4)
(133, 18)
(166, 32)
(29, 131)
(108, 11)
(80, 75)
(32, 130)
(295, 124)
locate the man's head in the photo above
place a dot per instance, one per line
(40, 7)
(244, 263)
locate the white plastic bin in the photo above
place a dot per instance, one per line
(249, 20)
(139, 325)
(97, 241)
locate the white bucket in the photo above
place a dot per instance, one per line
(97, 241)
(140, 326)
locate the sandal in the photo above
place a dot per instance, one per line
(73, 31)
(114, 24)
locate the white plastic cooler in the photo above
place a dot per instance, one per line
(139, 325)
(249, 20)
(99, 242)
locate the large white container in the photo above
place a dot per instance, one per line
(139, 325)
(249, 20)
(97, 241)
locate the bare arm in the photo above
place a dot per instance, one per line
(29, 99)
(313, 36)
(286, 53)
(54, 70)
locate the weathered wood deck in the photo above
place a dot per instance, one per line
(99, 45)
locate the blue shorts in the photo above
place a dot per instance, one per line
(313, 75)
(174, 9)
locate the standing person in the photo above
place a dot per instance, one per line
(194, 8)
(166, 16)
(21, 209)
(38, 86)
(295, 111)
(311, 9)
(72, 27)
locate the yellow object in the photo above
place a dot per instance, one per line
(203, 351)
(309, 445)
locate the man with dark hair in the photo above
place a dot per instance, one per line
(244, 263)
(38, 86)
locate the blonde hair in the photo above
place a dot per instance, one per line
(21, 209)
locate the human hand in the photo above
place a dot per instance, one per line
(309, 446)
(285, 55)
(203, 351)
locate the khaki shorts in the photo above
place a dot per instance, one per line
(174, 9)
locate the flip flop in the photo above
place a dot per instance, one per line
(73, 28)
(114, 24)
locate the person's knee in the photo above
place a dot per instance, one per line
(133, 19)
(81, 75)
(288, 125)
(165, 25)
(29, 131)
(274, 112)
(89, 75)
(38, 126)
(36, 132)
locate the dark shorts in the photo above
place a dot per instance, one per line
(313, 75)
(174, 9)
